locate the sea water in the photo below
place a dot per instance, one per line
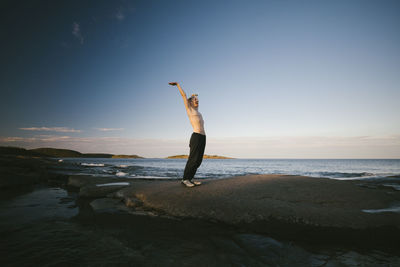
(342, 169)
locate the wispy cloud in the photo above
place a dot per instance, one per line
(262, 147)
(308, 146)
(115, 145)
(13, 139)
(76, 31)
(52, 129)
(109, 129)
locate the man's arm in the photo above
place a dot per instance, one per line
(183, 94)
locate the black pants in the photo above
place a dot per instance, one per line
(197, 145)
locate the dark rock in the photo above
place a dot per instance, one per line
(132, 202)
(108, 205)
(352, 258)
(274, 253)
(17, 171)
(79, 181)
(57, 179)
(94, 191)
(18, 179)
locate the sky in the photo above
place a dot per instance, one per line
(275, 79)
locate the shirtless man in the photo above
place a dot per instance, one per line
(197, 140)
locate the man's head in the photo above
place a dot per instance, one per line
(194, 101)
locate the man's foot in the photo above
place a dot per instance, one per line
(187, 183)
(196, 182)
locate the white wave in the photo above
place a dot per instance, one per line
(390, 209)
(120, 174)
(123, 166)
(358, 178)
(93, 164)
(111, 184)
(60, 160)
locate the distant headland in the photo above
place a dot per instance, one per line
(59, 153)
(49, 152)
(204, 157)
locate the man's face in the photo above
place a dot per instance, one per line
(195, 102)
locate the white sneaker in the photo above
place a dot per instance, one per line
(187, 183)
(196, 182)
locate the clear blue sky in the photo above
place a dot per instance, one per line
(320, 78)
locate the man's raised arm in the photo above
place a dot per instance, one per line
(183, 94)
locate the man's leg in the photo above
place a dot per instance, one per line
(196, 155)
(202, 146)
(199, 158)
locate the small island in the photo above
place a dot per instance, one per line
(204, 157)
(126, 157)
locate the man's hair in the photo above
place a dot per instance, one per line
(192, 97)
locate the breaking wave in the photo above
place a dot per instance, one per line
(92, 164)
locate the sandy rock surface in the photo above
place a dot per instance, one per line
(294, 199)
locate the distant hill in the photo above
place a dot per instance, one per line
(10, 150)
(57, 153)
(204, 157)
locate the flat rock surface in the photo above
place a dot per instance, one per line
(293, 199)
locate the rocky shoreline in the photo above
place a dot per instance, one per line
(20, 171)
(293, 207)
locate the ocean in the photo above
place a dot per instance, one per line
(341, 169)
